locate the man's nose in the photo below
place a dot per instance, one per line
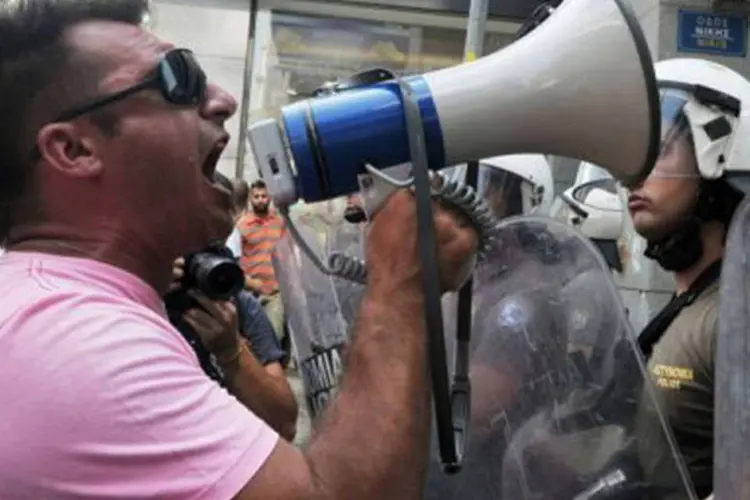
(219, 105)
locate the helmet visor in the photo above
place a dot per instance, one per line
(676, 138)
(505, 193)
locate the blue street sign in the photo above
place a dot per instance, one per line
(712, 33)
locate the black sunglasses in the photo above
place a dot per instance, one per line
(179, 77)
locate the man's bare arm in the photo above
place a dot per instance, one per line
(373, 440)
(268, 395)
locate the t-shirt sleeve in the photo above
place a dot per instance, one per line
(258, 330)
(234, 243)
(136, 417)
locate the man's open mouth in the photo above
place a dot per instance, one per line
(209, 164)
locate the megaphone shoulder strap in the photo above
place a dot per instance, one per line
(655, 329)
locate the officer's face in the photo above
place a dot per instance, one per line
(669, 194)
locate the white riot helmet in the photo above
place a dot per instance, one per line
(703, 107)
(516, 184)
(595, 208)
(713, 103)
(588, 172)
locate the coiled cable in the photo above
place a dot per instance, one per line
(450, 192)
(347, 267)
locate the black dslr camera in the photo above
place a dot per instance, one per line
(214, 272)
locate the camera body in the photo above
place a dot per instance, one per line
(214, 272)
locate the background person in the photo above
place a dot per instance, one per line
(261, 229)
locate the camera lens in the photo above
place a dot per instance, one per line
(219, 278)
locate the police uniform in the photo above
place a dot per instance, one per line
(682, 371)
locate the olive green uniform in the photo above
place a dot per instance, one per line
(682, 371)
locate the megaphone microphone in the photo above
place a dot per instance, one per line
(580, 85)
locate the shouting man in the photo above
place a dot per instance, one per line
(100, 396)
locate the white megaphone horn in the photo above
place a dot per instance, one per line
(581, 85)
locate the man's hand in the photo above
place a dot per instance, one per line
(392, 245)
(253, 284)
(178, 271)
(217, 325)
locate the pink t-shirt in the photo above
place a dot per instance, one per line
(100, 398)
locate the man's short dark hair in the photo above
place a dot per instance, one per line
(41, 76)
(259, 184)
(241, 193)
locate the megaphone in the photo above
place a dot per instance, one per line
(581, 85)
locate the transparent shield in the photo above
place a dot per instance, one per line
(562, 408)
(315, 318)
(732, 414)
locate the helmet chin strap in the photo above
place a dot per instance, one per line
(681, 249)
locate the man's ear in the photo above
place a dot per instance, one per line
(67, 148)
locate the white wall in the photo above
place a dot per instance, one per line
(647, 12)
(216, 30)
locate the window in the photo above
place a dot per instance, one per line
(300, 53)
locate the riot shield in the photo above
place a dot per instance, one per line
(562, 408)
(315, 320)
(348, 239)
(732, 417)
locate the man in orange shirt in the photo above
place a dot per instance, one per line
(261, 229)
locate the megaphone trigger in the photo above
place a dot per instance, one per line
(377, 185)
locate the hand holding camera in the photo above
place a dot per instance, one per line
(216, 324)
(202, 288)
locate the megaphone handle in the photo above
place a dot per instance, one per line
(431, 283)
